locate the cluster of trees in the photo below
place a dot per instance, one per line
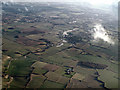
(92, 65)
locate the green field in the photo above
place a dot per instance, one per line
(19, 67)
(39, 71)
(50, 84)
(18, 82)
(109, 78)
(55, 77)
(36, 81)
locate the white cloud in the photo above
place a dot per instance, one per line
(100, 33)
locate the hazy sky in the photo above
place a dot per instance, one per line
(99, 1)
(93, 2)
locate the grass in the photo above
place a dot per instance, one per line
(57, 59)
(19, 67)
(108, 51)
(109, 78)
(12, 47)
(18, 82)
(39, 71)
(60, 71)
(52, 76)
(54, 50)
(50, 51)
(84, 71)
(78, 76)
(36, 81)
(34, 36)
(39, 64)
(51, 67)
(67, 59)
(94, 59)
(50, 84)
(44, 26)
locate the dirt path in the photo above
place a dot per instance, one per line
(11, 79)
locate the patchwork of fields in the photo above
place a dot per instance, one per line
(38, 53)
